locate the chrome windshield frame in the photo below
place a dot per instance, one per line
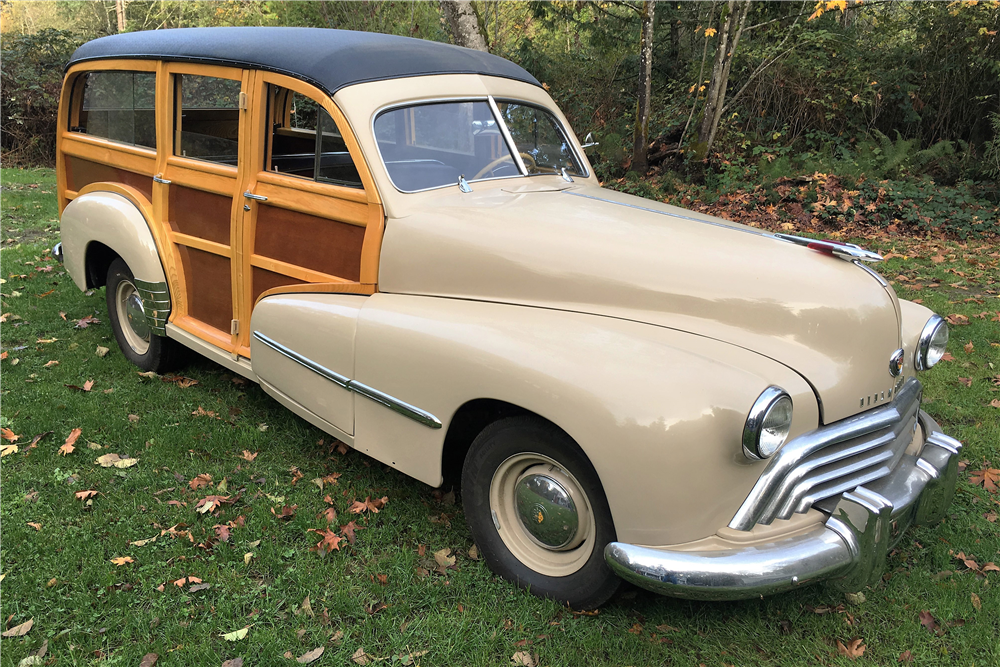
(504, 132)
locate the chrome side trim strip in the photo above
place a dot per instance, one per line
(306, 362)
(671, 215)
(391, 402)
(394, 404)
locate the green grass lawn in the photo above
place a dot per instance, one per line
(381, 594)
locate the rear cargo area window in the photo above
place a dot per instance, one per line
(119, 106)
(208, 125)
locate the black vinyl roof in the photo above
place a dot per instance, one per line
(330, 59)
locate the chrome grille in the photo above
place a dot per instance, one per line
(832, 459)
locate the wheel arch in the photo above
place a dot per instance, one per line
(108, 220)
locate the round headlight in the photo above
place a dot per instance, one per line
(932, 343)
(768, 424)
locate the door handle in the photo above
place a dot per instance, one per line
(250, 195)
(158, 179)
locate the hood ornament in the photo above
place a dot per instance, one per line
(847, 251)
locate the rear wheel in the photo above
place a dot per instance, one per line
(137, 341)
(537, 511)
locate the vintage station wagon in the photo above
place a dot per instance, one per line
(403, 242)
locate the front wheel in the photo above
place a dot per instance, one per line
(137, 341)
(537, 512)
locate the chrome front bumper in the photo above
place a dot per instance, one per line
(848, 550)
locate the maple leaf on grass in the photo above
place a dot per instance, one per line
(122, 560)
(330, 514)
(115, 461)
(248, 456)
(8, 435)
(330, 541)
(84, 495)
(369, 505)
(348, 531)
(212, 503)
(286, 513)
(854, 649)
(200, 481)
(987, 478)
(67, 447)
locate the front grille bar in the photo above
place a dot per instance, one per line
(832, 459)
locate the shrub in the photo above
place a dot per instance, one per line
(31, 69)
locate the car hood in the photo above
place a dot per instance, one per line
(587, 249)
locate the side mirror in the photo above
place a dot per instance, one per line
(588, 141)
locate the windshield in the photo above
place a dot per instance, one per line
(431, 145)
(543, 147)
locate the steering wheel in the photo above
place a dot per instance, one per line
(505, 158)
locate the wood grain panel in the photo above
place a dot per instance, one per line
(309, 241)
(81, 173)
(211, 297)
(264, 280)
(201, 214)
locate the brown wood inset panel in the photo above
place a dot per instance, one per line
(210, 287)
(264, 280)
(202, 214)
(80, 173)
(308, 241)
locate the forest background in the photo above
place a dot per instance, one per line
(843, 117)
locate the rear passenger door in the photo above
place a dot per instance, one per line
(199, 192)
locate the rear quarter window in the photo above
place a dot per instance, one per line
(120, 106)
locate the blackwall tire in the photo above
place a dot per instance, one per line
(560, 559)
(141, 346)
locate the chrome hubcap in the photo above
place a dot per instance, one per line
(136, 315)
(546, 510)
(132, 317)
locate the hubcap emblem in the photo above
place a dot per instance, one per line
(546, 510)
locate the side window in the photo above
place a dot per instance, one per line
(120, 106)
(207, 126)
(306, 142)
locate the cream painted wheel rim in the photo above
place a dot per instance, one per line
(132, 317)
(549, 561)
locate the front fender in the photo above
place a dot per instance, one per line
(113, 220)
(658, 412)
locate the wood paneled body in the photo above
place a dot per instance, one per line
(215, 128)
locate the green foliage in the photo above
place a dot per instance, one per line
(31, 67)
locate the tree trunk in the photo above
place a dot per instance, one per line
(463, 24)
(640, 135)
(730, 30)
(120, 13)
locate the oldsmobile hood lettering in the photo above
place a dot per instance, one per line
(592, 250)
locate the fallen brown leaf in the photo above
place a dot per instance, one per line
(36, 526)
(957, 319)
(19, 630)
(248, 456)
(8, 435)
(854, 649)
(987, 477)
(969, 347)
(86, 322)
(235, 662)
(83, 495)
(929, 622)
(905, 656)
(122, 560)
(524, 659)
(200, 481)
(360, 657)
(311, 656)
(444, 557)
(330, 541)
(149, 660)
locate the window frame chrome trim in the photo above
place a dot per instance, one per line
(924, 341)
(396, 405)
(508, 139)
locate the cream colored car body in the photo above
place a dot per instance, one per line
(644, 331)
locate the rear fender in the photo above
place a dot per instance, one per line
(117, 220)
